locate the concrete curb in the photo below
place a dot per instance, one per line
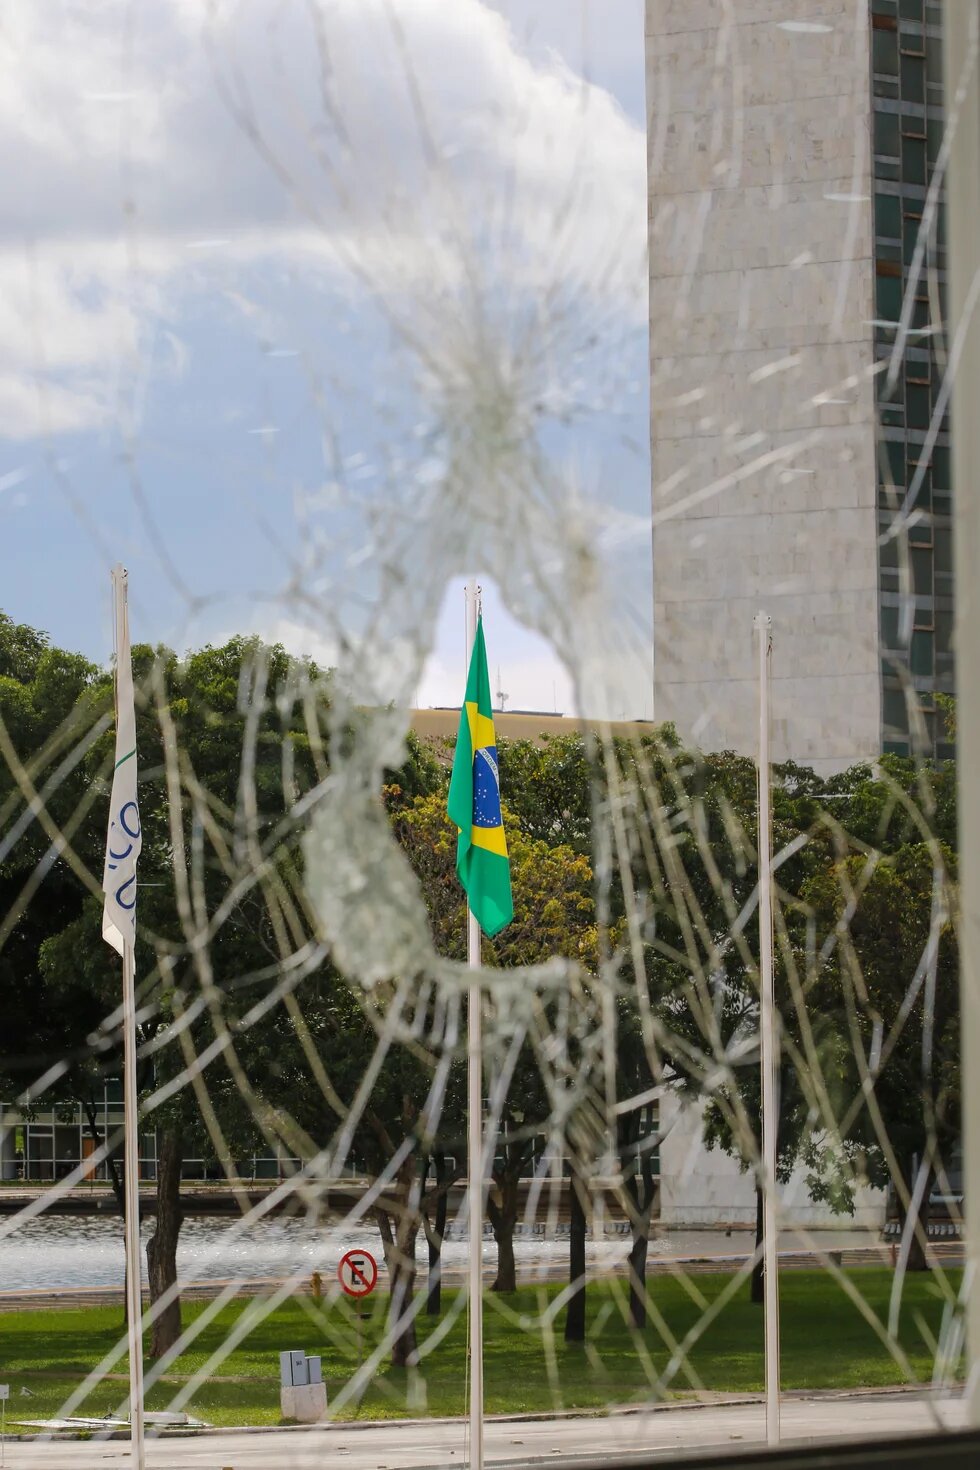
(347, 1426)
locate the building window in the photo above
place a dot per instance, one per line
(895, 712)
(943, 542)
(888, 133)
(922, 579)
(888, 213)
(885, 51)
(920, 313)
(888, 294)
(921, 654)
(913, 78)
(891, 461)
(913, 159)
(910, 236)
(917, 407)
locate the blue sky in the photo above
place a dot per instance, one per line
(308, 309)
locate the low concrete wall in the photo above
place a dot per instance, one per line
(701, 1186)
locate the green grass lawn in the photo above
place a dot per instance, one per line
(826, 1343)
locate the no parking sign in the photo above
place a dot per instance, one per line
(358, 1273)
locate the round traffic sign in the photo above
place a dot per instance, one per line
(358, 1273)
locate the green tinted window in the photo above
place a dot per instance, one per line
(885, 52)
(888, 550)
(917, 405)
(909, 238)
(940, 468)
(894, 710)
(943, 539)
(888, 134)
(888, 294)
(923, 494)
(913, 79)
(891, 461)
(920, 532)
(921, 654)
(888, 216)
(889, 627)
(914, 160)
(922, 572)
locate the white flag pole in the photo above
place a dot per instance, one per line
(475, 1133)
(767, 1028)
(122, 850)
(134, 1294)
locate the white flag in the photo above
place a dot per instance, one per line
(124, 840)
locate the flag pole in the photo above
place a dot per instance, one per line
(767, 1022)
(475, 1132)
(134, 1294)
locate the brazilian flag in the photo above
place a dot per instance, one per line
(474, 802)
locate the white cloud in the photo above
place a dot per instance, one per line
(426, 154)
(534, 683)
(33, 409)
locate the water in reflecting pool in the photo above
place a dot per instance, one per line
(86, 1251)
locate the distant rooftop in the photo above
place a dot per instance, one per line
(519, 724)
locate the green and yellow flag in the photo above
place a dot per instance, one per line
(474, 802)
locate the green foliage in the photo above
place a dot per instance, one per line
(893, 979)
(634, 859)
(553, 886)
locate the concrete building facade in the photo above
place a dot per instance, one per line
(799, 446)
(782, 451)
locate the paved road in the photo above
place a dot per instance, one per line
(664, 1432)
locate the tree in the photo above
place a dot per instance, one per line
(689, 878)
(44, 713)
(230, 739)
(225, 751)
(548, 788)
(894, 978)
(554, 914)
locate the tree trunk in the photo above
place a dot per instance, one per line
(757, 1290)
(435, 1234)
(161, 1248)
(503, 1219)
(575, 1311)
(641, 1194)
(638, 1280)
(399, 1253)
(404, 1346)
(917, 1258)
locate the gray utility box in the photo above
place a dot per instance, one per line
(302, 1392)
(293, 1372)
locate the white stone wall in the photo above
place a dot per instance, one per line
(700, 1186)
(762, 401)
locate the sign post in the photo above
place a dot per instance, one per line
(358, 1276)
